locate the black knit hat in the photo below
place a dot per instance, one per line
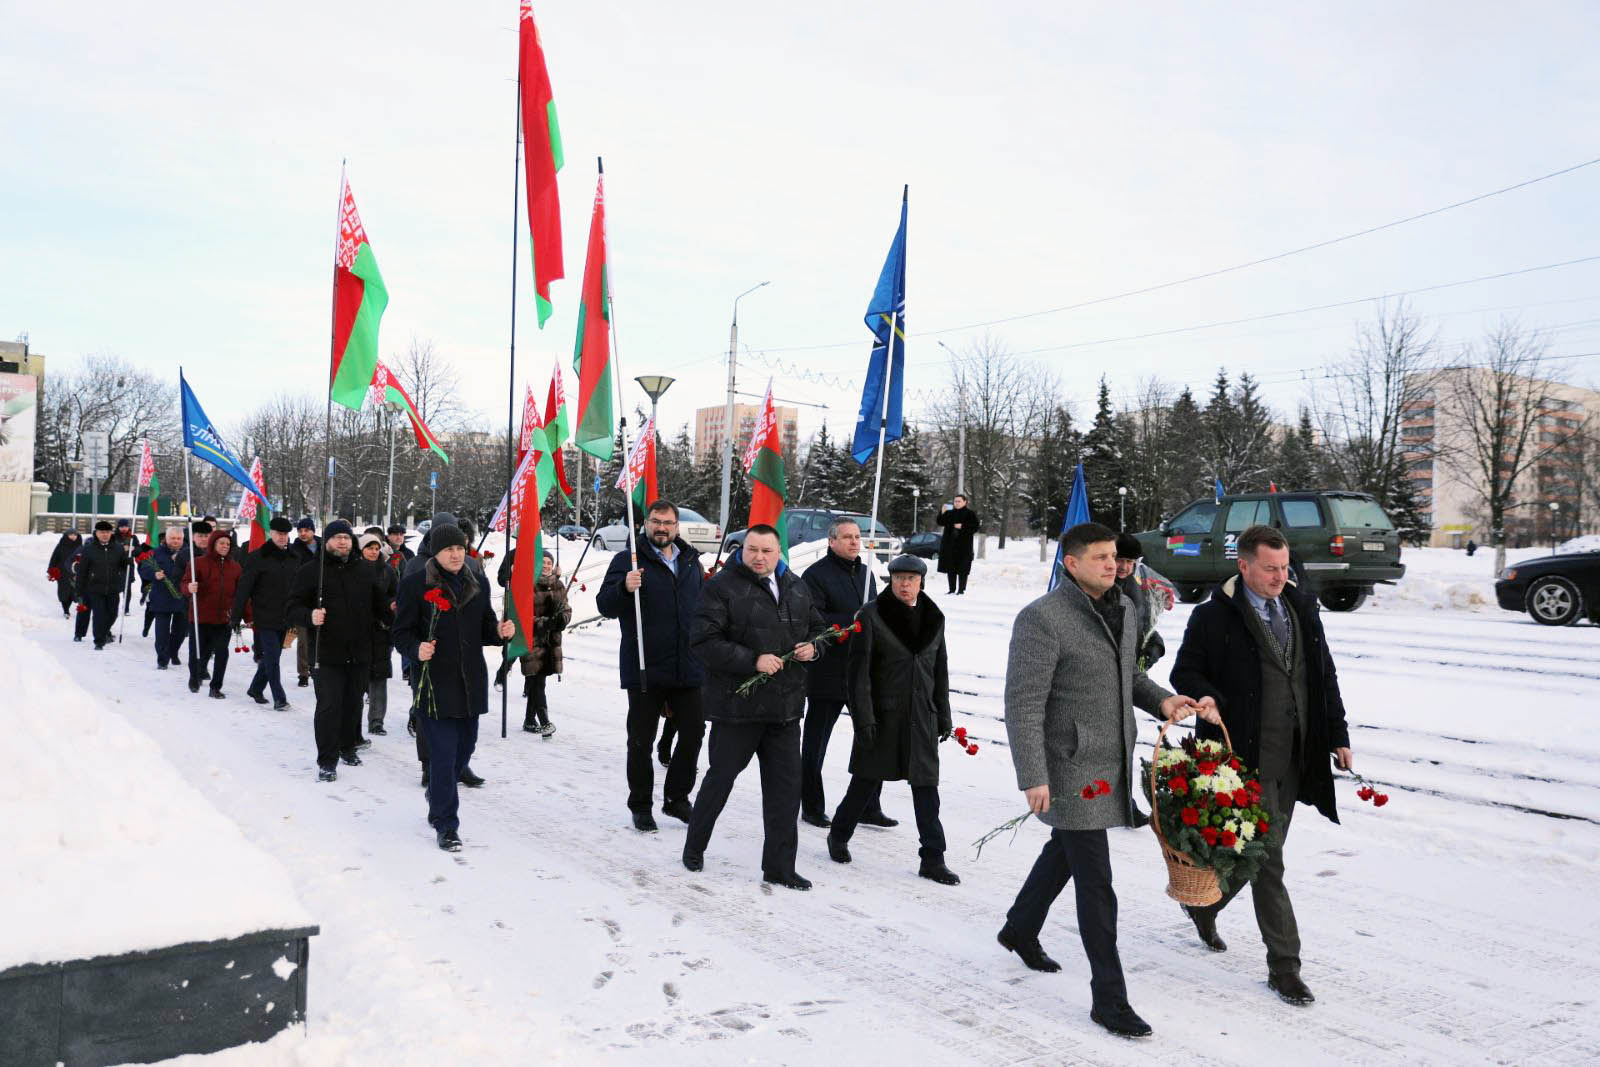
(279, 524)
(305, 524)
(202, 529)
(446, 536)
(104, 524)
(337, 527)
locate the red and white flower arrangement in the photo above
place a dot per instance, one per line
(1209, 807)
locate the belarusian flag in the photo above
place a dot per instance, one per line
(591, 357)
(392, 392)
(532, 439)
(639, 474)
(152, 485)
(556, 429)
(358, 302)
(763, 460)
(525, 569)
(257, 514)
(541, 136)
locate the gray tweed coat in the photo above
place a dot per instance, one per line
(1069, 720)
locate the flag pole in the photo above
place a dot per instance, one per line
(194, 591)
(888, 385)
(388, 507)
(333, 338)
(511, 379)
(622, 424)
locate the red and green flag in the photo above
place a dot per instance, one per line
(541, 136)
(359, 298)
(525, 569)
(556, 430)
(392, 392)
(639, 474)
(591, 357)
(152, 486)
(257, 514)
(763, 460)
(532, 439)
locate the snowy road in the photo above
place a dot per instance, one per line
(1453, 926)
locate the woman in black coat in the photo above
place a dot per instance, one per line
(960, 524)
(59, 569)
(899, 684)
(372, 548)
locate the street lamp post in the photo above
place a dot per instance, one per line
(653, 385)
(916, 505)
(1122, 507)
(1555, 510)
(727, 418)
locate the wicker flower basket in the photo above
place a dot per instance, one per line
(1187, 882)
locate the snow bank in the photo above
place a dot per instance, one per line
(108, 849)
(1586, 543)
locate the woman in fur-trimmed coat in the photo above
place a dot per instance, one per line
(551, 614)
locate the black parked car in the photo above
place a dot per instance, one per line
(924, 544)
(1555, 590)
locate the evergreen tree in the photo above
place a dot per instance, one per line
(905, 469)
(1051, 483)
(1297, 465)
(1184, 445)
(1103, 467)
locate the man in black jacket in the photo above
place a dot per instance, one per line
(1258, 647)
(340, 616)
(840, 584)
(98, 577)
(397, 547)
(268, 575)
(668, 580)
(748, 617)
(304, 550)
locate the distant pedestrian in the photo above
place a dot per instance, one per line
(445, 622)
(165, 569)
(399, 555)
(98, 578)
(212, 590)
(304, 549)
(899, 679)
(372, 549)
(750, 615)
(264, 587)
(59, 569)
(1472, 547)
(961, 524)
(551, 614)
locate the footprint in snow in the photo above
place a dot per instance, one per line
(602, 978)
(670, 990)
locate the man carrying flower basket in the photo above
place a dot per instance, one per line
(1258, 649)
(1071, 681)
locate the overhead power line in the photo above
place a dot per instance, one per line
(1218, 272)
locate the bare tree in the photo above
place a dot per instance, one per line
(108, 394)
(1509, 429)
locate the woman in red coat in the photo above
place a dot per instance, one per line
(216, 577)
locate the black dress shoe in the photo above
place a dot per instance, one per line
(282, 705)
(644, 822)
(815, 818)
(161, 666)
(205, 676)
(788, 881)
(1027, 948)
(363, 743)
(838, 851)
(936, 871)
(468, 779)
(259, 698)
(350, 758)
(217, 694)
(879, 819)
(449, 840)
(1291, 989)
(530, 726)
(327, 774)
(664, 755)
(694, 861)
(75, 637)
(194, 685)
(1120, 1019)
(679, 809)
(377, 728)
(304, 681)
(1205, 924)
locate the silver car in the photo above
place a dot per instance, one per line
(693, 527)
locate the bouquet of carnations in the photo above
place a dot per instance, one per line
(1207, 813)
(835, 633)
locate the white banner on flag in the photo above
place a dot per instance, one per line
(633, 470)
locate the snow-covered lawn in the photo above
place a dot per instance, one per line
(1452, 926)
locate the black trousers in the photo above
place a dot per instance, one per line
(957, 581)
(82, 615)
(103, 612)
(1083, 856)
(212, 655)
(777, 747)
(450, 746)
(821, 717)
(65, 594)
(644, 716)
(924, 802)
(538, 713)
(337, 721)
(171, 628)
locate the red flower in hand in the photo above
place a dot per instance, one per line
(82, 608)
(437, 598)
(960, 735)
(1380, 799)
(855, 627)
(1101, 787)
(972, 750)
(1228, 839)
(1190, 816)
(1209, 833)
(1178, 785)
(1365, 792)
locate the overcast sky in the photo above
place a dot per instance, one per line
(170, 178)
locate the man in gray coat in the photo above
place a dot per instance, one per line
(1070, 682)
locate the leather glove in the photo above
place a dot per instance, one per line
(944, 735)
(867, 735)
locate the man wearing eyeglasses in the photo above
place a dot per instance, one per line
(667, 582)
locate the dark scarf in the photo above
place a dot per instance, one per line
(914, 626)
(461, 586)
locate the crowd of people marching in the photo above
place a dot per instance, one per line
(770, 659)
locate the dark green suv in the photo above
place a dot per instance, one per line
(1342, 543)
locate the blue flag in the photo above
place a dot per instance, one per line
(886, 369)
(1077, 512)
(202, 438)
(1221, 492)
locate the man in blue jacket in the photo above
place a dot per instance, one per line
(164, 570)
(668, 583)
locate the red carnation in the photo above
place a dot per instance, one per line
(1207, 767)
(1223, 800)
(961, 734)
(437, 598)
(1101, 787)
(1087, 792)
(1380, 799)
(1190, 816)
(855, 627)
(1228, 839)
(1234, 763)
(1178, 784)
(82, 608)
(1261, 826)
(972, 750)
(1365, 792)
(1209, 833)
(1241, 799)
